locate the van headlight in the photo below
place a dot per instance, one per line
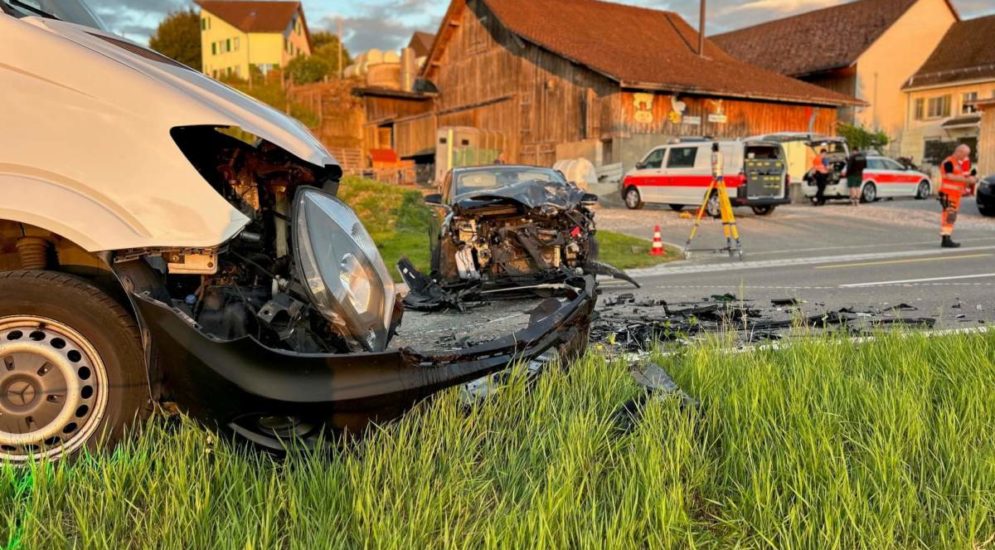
(342, 269)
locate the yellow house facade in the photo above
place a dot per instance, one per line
(865, 48)
(237, 35)
(942, 96)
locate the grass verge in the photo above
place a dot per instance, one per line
(399, 222)
(824, 444)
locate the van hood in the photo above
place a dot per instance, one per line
(205, 98)
(87, 150)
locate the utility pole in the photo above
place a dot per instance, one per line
(701, 31)
(341, 68)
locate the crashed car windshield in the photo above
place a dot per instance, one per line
(481, 180)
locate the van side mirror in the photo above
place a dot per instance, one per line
(435, 198)
(640, 165)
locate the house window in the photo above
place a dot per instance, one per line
(214, 48)
(965, 107)
(920, 109)
(228, 45)
(236, 43)
(203, 24)
(939, 107)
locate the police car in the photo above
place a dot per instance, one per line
(884, 178)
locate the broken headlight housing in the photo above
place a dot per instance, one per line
(342, 269)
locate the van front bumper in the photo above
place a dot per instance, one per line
(223, 381)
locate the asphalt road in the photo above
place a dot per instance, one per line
(869, 257)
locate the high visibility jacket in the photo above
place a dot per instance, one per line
(948, 185)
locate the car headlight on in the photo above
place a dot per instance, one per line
(342, 269)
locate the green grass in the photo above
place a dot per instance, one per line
(827, 444)
(625, 252)
(399, 222)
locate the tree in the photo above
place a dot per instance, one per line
(178, 37)
(305, 70)
(326, 46)
(862, 139)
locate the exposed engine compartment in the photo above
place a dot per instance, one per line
(493, 238)
(250, 287)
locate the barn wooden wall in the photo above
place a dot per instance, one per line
(743, 118)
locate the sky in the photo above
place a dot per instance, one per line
(388, 24)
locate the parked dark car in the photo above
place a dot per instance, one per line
(986, 196)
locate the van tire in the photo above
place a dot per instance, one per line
(633, 200)
(764, 210)
(84, 340)
(676, 207)
(923, 191)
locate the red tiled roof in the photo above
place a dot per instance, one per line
(820, 40)
(967, 52)
(252, 16)
(647, 49)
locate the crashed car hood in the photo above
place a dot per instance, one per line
(86, 148)
(531, 194)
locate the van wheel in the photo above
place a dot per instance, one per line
(869, 193)
(712, 207)
(922, 192)
(633, 201)
(72, 372)
(764, 210)
(677, 207)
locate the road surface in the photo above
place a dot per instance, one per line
(837, 256)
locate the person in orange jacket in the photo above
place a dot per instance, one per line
(954, 180)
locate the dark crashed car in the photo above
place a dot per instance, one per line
(508, 227)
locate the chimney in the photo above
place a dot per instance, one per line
(408, 69)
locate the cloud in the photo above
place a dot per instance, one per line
(387, 24)
(136, 19)
(384, 24)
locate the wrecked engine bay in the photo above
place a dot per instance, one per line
(289, 325)
(526, 230)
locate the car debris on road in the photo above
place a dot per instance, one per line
(630, 325)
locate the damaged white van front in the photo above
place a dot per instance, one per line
(165, 237)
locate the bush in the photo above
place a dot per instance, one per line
(307, 70)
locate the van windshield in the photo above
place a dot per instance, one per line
(73, 11)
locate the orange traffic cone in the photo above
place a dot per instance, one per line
(657, 249)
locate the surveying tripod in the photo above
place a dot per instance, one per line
(729, 227)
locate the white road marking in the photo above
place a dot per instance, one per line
(732, 265)
(916, 281)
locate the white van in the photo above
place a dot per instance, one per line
(678, 175)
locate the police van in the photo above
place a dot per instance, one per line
(679, 173)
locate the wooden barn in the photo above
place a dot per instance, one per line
(564, 79)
